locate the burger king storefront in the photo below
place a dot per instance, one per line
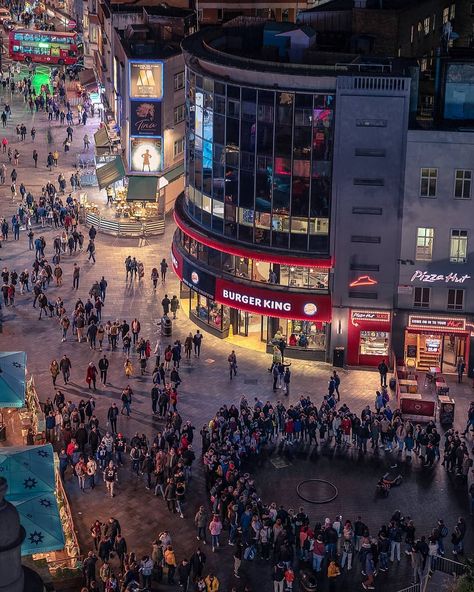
(247, 314)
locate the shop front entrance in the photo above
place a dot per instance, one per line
(436, 342)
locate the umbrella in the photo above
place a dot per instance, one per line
(39, 516)
(12, 379)
(28, 470)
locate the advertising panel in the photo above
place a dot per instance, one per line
(145, 155)
(177, 261)
(198, 280)
(145, 118)
(443, 323)
(286, 305)
(146, 80)
(375, 316)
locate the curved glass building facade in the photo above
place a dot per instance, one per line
(259, 163)
(253, 244)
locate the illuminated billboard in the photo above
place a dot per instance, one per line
(145, 155)
(146, 80)
(145, 118)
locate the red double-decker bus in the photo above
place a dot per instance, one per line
(44, 47)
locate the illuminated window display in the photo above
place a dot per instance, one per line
(374, 343)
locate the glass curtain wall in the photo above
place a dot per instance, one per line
(258, 163)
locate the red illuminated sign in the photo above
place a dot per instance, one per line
(363, 280)
(376, 316)
(442, 323)
(274, 303)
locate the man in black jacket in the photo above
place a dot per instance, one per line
(112, 415)
(103, 367)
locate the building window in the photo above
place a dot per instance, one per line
(179, 81)
(412, 33)
(424, 244)
(179, 114)
(356, 238)
(178, 147)
(426, 25)
(422, 298)
(369, 182)
(458, 247)
(428, 182)
(433, 22)
(455, 299)
(462, 185)
(445, 15)
(452, 11)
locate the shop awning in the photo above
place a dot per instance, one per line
(40, 518)
(29, 471)
(174, 173)
(141, 188)
(101, 138)
(12, 379)
(87, 77)
(110, 172)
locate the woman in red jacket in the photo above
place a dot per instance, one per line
(91, 375)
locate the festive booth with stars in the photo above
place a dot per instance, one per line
(37, 493)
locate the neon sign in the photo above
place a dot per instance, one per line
(363, 280)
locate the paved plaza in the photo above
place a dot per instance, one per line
(426, 494)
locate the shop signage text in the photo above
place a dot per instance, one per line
(424, 276)
(288, 305)
(370, 315)
(436, 323)
(253, 301)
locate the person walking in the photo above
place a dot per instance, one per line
(197, 341)
(103, 367)
(65, 367)
(91, 375)
(112, 415)
(110, 478)
(232, 360)
(76, 272)
(163, 269)
(174, 305)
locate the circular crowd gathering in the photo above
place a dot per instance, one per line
(293, 547)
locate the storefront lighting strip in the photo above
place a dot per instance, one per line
(242, 252)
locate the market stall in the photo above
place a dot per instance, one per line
(35, 488)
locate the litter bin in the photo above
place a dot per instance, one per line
(166, 326)
(307, 581)
(338, 357)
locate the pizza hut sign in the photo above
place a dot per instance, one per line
(431, 278)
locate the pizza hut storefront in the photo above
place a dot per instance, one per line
(369, 337)
(436, 341)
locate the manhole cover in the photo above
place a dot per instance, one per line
(317, 491)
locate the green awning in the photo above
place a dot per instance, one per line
(101, 138)
(142, 188)
(174, 173)
(111, 172)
